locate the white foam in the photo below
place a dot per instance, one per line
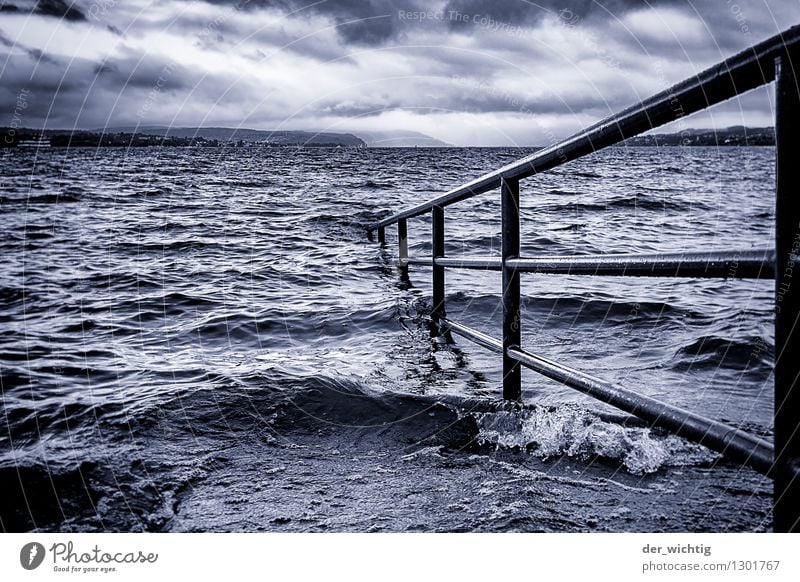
(573, 431)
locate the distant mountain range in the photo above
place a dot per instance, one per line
(155, 135)
(297, 138)
(736, 135)
(229, 134)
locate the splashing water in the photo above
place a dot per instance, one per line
(574, 431)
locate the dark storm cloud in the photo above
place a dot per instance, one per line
(57, 8)
(131, 71)
(60, 9)
(729, 24)
(89, 95)
(465, 96)
(311, 63)
(470, 94)
(529, 12)
(361, 22)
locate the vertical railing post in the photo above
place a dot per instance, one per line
(402, 244)
(786, 511)
(381, 235)
(512, 373)
(437, 240)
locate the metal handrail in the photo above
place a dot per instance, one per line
(756, 264)
(756, 66)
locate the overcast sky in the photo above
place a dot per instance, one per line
(469, 72)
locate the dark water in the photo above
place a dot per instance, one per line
(204, 340)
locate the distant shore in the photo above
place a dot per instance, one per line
(65, 139)
(732, 136)
(228, 137)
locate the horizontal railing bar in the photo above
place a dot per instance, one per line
(474, 335)
(750, 264)
(731, 442)
(490, 263)
(746, 70)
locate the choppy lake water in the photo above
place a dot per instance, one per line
(203, 339)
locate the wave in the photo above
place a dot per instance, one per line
(626, 203)
(668, 170)
(114, 279)
(81, 327)
(156, 306)
(62, 198)
(376, 185)
(350, 412)
(607, 309)
(140, 194)
(574, 227)
(11, 296)
(560, 192)
(170, 245)
(711, 352)
(32, 421)
(152, 192)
